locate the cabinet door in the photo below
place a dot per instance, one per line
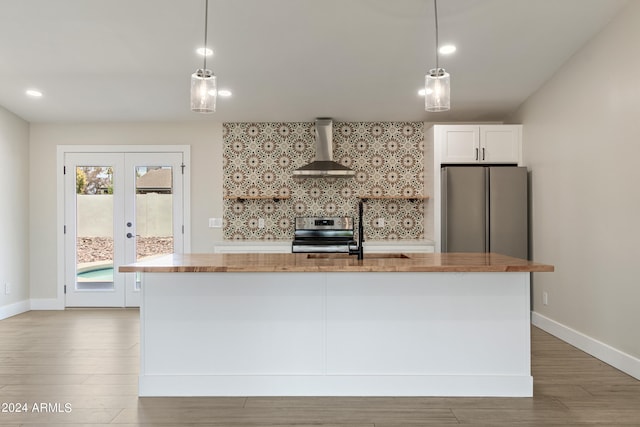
(459, 144)
(500, 144)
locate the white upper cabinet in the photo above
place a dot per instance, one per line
(459, 143)
(500, 143)
(479, 143)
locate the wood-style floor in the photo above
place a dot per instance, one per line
(88, 359)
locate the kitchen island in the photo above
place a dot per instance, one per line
(330, 325)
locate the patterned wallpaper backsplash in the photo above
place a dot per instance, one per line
(259, 159)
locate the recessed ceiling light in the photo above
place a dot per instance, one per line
(202, 51)
(447, 49)
(224, 92)
(34, 93)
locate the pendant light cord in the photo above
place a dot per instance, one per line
(206, 22)
(435, 12)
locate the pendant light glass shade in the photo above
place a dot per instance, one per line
(203, 91)
(437, 96)
(437, 85)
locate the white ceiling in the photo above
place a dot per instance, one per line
(284, 60)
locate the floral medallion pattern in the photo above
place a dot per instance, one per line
(259, 159)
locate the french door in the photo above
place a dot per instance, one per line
(119, 208)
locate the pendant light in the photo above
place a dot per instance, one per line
(437, 85)
(203, 82)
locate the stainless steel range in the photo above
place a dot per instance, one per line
(324, 234)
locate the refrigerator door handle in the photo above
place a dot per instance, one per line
(487, 211)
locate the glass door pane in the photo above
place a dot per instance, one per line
(94, 228)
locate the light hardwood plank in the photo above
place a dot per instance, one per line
(90, 416)
(192, 402)
(100, 379)
(292, 416)
(45, 379)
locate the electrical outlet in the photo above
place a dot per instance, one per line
(7, 288)
(545, 298)
(260, 222)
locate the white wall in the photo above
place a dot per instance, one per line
(582, 144)
(205, 139)
(14, 213)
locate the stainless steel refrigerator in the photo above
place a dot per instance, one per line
(484, 209)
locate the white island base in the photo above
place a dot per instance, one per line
(335, 334)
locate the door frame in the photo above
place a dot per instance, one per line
(61, 150)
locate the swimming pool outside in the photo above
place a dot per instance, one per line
(99, 274)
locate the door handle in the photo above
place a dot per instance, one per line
(131, 235)
(476, 154)
(482, 153)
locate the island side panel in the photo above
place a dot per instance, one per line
(473, 327)
(198, 324)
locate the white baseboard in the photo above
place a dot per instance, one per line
(336, 385)
(14, 309)
(612, 356)
(47, 304)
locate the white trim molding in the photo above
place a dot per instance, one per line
(610, 355)
(14, 309)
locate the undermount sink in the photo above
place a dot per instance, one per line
(366, 256)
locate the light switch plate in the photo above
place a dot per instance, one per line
(215, 222)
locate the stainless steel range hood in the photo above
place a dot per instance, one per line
(323, 165)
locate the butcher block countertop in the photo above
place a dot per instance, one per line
(375, 262)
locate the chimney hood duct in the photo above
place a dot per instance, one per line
(323, 165)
